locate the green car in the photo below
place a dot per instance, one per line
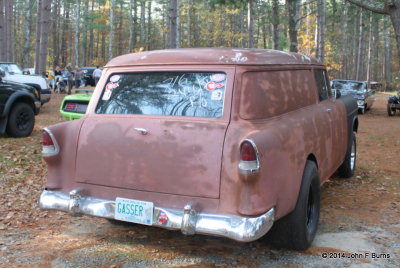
(74, 106)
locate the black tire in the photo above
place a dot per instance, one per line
(361, 110)
(297, 230)
(390, 111)
(20, 120)
(347, 168)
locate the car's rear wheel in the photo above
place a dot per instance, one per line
(297, 230)
(391, 111)
(21, 120)
(346, 170)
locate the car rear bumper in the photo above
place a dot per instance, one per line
(189, 221)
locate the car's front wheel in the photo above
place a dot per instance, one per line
(21, 120)
(297, 230)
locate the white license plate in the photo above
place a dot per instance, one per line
(134, 211)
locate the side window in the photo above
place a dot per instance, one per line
(324, 91)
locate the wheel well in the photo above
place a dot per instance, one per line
(23, 99)
(312, 157)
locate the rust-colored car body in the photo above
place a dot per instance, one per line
(181, 162)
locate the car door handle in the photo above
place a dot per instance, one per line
(328, 110)
(141, 130)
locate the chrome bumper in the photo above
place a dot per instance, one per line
(188, 220)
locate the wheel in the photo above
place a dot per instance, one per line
(20, 120)
(390, 111)
(297, 230)
(361, 110)
(346, 170)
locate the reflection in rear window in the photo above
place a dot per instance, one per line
(164, 93)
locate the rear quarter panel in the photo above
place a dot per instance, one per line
(61, 168)
(284, 142)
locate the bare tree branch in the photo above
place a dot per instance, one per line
(374, 6)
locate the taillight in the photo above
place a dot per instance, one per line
(162, 217)
(249, 161)
(247, 152)
(49, 143)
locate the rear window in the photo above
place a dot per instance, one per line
(197, 94)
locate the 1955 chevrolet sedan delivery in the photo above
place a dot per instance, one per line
(224, 142)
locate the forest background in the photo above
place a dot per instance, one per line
(354, 42)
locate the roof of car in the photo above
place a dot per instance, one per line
(344, 80)
(225, 56)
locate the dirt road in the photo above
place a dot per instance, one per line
(359, 226)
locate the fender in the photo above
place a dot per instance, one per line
(352, 120)
(37, 87)
(18, 95)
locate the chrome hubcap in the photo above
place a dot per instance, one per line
(353, 155)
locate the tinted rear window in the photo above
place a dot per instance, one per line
(164, 93)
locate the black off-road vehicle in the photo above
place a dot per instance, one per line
(19, 103)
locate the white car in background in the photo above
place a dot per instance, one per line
(13, 73)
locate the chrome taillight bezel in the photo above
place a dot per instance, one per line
(50, 150)
(249, 167)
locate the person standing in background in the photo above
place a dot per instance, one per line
(51, 77)
(78, 77)
(97, 75)
(70, 78)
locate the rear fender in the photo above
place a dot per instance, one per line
(61, 167)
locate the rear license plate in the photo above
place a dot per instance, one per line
(134, 211)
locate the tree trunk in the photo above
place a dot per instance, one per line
(361, 49)
(111, 35)
(56, 33)
(293, 7)
(2, 31)
(369, 57)
(65, 30)
(132, 24)
(394, 13)
(85, 35)
(375, 57)
(120, 27)
(9, 35)
(38, 35)
(321, 30)
(77, 30)
(91, 46)
(250, 22)
(173, 24)
(275, 23)
(189, 30)
(149, 26)
(344, 45)
(142, 23)
(388, 56)
(44, 35)
(27, 34)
